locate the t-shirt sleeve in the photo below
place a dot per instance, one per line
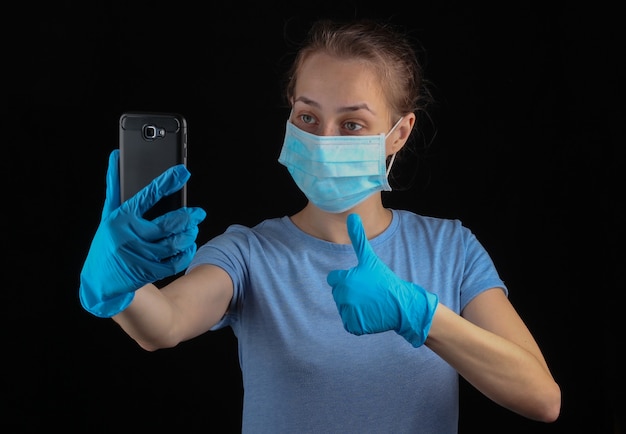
(229, 251)
(480, 273)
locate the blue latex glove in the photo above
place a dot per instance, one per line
(372, 299)
(128, 251)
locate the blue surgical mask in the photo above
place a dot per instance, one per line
(336, 173)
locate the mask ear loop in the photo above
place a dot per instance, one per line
(393, 156)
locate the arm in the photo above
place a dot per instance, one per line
(187, 307)
(491, 347)
(129, 252)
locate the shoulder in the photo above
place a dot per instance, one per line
(431, 232)
(238, 244)
(236, 236)
(408, 220)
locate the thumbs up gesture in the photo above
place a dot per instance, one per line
(372, 299)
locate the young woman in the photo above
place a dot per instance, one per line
(350, 317)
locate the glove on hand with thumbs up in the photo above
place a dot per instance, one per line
(372, 299)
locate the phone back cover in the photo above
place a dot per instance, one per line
(142, 159)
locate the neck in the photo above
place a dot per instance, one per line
(332, 226)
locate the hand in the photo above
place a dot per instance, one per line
(372, 299)
(128, 251)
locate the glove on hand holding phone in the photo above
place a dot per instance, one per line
(128, 251)
(372, 299)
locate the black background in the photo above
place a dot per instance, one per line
(528, 149)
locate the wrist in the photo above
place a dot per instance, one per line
(98, 304)
(418, 316)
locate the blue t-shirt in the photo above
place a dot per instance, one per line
(302, 371)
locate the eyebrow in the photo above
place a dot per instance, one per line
(352, 108)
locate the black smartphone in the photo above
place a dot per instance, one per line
(149, 144)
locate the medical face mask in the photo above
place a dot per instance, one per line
(336, 172)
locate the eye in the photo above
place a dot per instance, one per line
(352, 126)
(307, 119)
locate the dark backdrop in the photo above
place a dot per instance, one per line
(529, 126)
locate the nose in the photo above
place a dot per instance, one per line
(328, 129)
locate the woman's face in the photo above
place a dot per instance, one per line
(336, 97)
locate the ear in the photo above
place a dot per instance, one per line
(401, 134)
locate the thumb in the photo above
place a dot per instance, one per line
(112, 200)
(361, 245)
(168, 182)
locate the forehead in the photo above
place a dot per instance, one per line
(337, 82)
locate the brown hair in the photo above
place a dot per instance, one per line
(382, 46)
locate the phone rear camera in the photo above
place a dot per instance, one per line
(152, 132)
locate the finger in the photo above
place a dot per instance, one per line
(182, 260)
(360, 243)
(112, 199)
(166, 225)
(161, 268)
(170, 233)
(179, 220)
(167, 250)
(335, 277)
(157, 248)
(168, 182)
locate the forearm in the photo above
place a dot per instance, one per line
(502, 370)
(148, 319)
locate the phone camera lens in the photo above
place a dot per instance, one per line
(151, 132)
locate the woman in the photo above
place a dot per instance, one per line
(350, 317)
